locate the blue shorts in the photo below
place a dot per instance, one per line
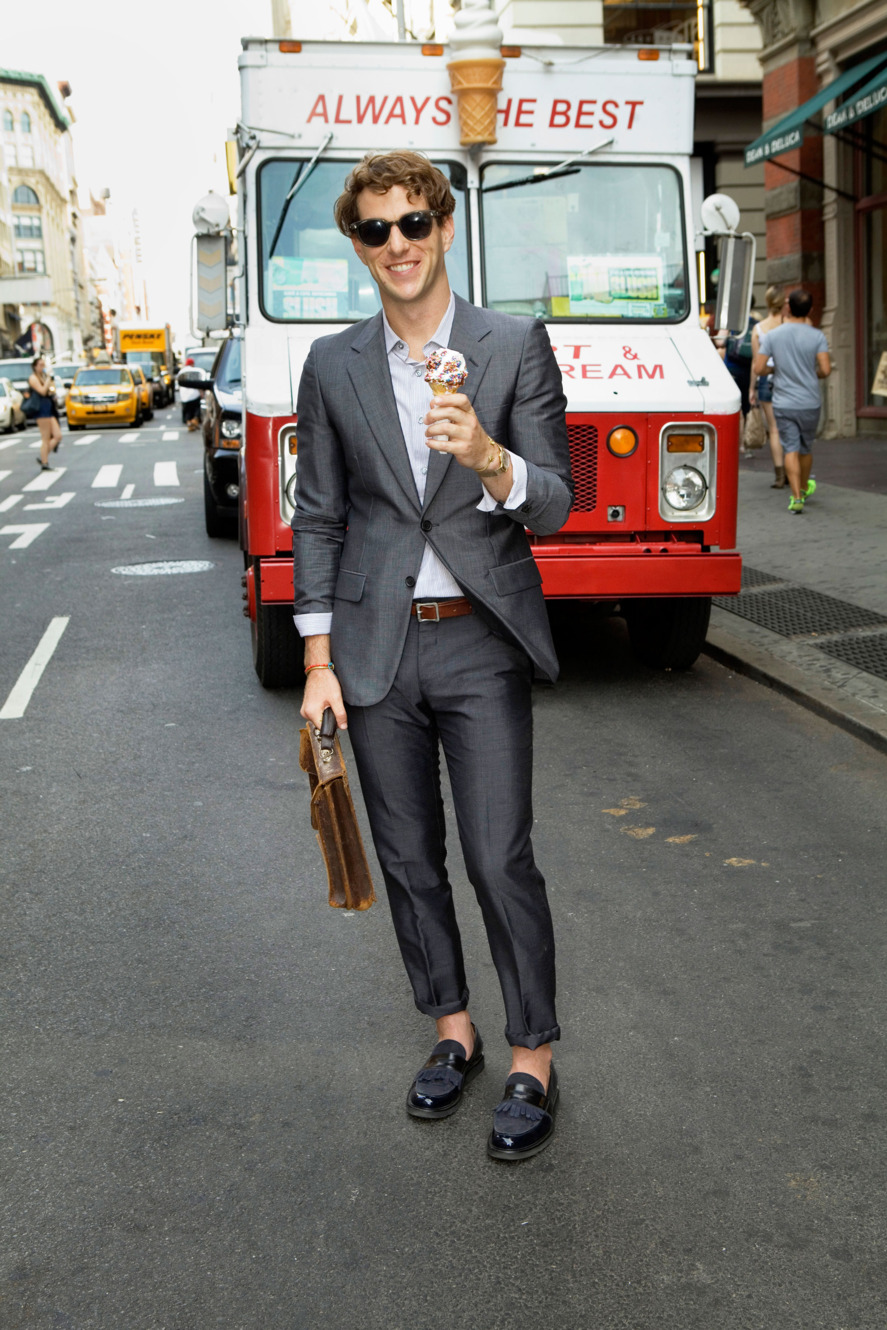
(797, 429)
(764, 388)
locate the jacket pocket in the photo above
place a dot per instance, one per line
(519, 576)
(349, 586)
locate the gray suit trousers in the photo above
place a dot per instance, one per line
(461, 687)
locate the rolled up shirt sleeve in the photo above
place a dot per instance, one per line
(516, 495)
(313, 625)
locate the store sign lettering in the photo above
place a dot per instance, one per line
(381, 110)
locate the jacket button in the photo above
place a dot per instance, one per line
(410, 581)
(426, 525)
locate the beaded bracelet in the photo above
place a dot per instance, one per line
(328, 665)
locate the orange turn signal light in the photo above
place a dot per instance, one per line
(289, 48)
(685, 443)
(292, 444)
(646, 54)
(622, 441)
(510, 52)
(430, 48)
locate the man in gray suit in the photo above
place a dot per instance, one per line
(420, 605)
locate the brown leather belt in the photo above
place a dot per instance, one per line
(430, 611)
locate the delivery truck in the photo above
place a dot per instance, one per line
(151, 347)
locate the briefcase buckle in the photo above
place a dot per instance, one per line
(428, 605)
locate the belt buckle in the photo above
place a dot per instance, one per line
(428, 605)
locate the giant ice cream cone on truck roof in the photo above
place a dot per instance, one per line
(476, 70)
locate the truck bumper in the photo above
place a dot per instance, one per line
(588, 572)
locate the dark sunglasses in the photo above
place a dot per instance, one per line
(374, 232)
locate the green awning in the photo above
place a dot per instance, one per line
(788, 133)
(865, 102)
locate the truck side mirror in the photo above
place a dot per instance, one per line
(736, 260)
(212, 283)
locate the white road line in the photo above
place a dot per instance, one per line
(26, 534)
(52, 501)
(87, 438)
(165, 473)
(130, 437)
(35, 444)
(107, 477)
(16, 704)
(127, 491)
(169, 436)
(10, 502)
(44, 479)
(4, 474)
(8, 443)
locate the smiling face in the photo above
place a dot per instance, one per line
(407, 272)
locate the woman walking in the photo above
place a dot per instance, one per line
(40, 383)
(761, 389)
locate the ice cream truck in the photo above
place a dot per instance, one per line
(575, 206)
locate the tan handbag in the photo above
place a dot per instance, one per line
(332, 817)
(755, 430)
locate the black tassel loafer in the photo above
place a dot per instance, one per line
(523, 1123)
(437, 1090)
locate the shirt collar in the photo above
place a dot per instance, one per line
(439, 338)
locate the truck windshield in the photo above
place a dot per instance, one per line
(603, 243)
(314, 274)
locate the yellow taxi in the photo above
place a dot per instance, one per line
(146, 391)
(104, 393)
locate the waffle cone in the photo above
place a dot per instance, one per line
(476, 84)
(438, 388)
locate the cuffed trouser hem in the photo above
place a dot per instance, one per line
(445, 1009)
(534, 1040)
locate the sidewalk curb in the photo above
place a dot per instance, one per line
(723, 647)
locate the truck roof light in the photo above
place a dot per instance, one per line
(622, 441)
(645, 53)
(510, 52)
(289, 48)
(686, 443)
(431, 49)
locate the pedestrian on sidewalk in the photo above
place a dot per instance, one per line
(761, 390)
(800, 358)
(413, 575)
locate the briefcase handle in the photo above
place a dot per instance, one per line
(327, 735)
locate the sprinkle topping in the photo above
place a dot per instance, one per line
(446, 367)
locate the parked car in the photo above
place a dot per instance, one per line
(104, 393)
(11, 414)
(222, 437)
(17, 371)
(146, 390)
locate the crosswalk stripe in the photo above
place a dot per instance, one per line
(44, 479)
(130, 437)
(107, 477)
(169, 436)
(166, 473)
(87, 438)
(8, 443)
(4, 474)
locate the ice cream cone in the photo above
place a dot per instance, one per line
(476, 84)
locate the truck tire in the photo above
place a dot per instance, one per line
(220, 522)
(276, 644)
(667, 633)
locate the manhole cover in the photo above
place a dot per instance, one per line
(164, 568)
(868, 654)
(136, 503)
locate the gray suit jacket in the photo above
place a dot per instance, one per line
(359, 530)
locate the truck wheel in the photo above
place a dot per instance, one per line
(667, 634)
(276, 644)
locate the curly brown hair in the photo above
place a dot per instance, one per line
(379, 171)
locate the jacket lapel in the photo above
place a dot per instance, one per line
(470, 336)
(371, 378)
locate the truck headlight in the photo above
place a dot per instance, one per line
(230, 428)
(291, 490)
(684, 488)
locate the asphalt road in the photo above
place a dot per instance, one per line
(204, 1066)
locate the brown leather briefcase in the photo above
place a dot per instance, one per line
(332, 817)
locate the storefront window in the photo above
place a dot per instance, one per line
(872, 257)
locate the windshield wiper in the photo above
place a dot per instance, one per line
(556, 171)
(299, 181)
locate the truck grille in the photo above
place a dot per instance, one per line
(583, 456)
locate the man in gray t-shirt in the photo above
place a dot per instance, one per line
(797, 356)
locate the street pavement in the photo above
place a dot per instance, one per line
(204, 1066)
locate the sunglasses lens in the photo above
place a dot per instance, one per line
(373, 233)
(416, 225)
